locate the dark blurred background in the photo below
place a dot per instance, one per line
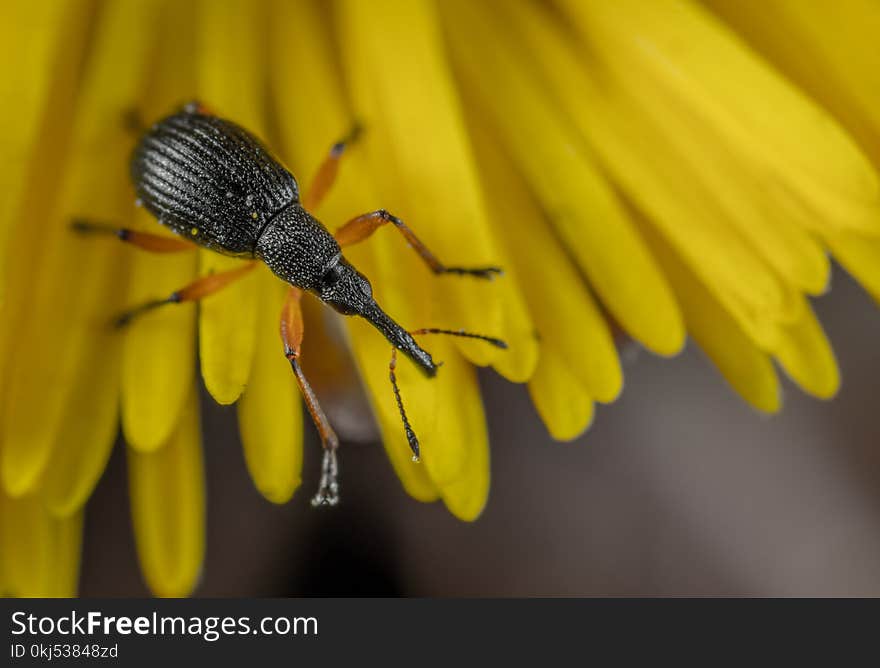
(679, 488)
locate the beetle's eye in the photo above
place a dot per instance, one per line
(331, 276)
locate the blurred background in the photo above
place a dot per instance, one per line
(678, 488)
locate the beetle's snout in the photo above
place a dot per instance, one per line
(349, 292)
(401, 339)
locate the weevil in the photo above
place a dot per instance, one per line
(217, 186)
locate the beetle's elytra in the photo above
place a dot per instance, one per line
(217, 186)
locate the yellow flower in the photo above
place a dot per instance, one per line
(668, 168)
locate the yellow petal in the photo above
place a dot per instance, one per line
(40, 553)
(417, 145)
(73, 291)
(718, 217)
(579, 201)
(747, 368)
(42, 172)
(691, 221)
(270, 413)
(446, 414)
(860, 256)
(372, 353)
(167, 490)
(89, 427)
(159, 349)
(694, 159)
(807, 357)
(560, 399)
(828, 49)
(230, 64)
(30, 33)
(67, 534)
(569, 324)
(311, 114)
(519, 360)
(455, 450)
(766, 120)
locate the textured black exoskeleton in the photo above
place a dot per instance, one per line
(216, 185)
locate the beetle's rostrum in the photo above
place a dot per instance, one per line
(215, 185)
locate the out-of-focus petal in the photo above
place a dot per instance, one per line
(40, 552)
(748, 369)
(806, 355)
(519, 360)
(167, 490)
(697, 165)
(861, 258)
(565, 407)
(42, 172)
(29, 36)
(72, 291)
(89, 427)
(568, 322)
(681, 48)
(828, 48)
(579, 201)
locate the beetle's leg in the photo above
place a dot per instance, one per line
(361, 227)
(326, 174)
(198, 289)
(291, 336)
(411, 437)
(153, 243)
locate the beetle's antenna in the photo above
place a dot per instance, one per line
(411, 437)
(498, 343)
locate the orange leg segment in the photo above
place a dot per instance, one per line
(153, 243)
(198, 289)
(291, 337)
(361, 227)
(326, 174)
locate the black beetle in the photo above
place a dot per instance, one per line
(217, 186)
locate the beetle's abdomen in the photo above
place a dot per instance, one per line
(210, 180)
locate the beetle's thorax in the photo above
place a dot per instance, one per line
(297, 247)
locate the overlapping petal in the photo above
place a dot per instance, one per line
(167, 490)
(74, 285)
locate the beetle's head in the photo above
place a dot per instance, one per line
(349, 292)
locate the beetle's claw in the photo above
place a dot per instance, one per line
(487, 273)
(325, 499)
(328, 490)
